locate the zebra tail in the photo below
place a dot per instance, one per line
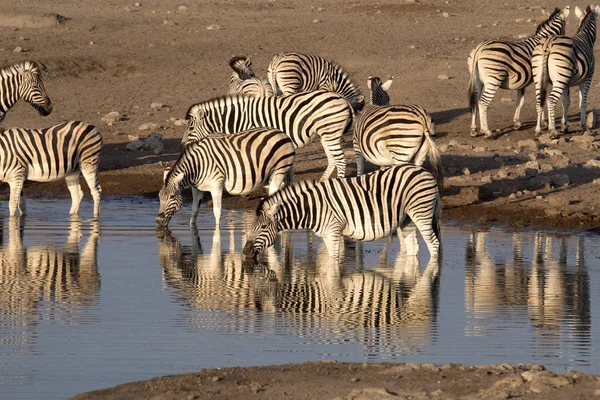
(434, 155)
(473, 80)
(289, 176)
(437, 218)
(545, 77)
(272, 76)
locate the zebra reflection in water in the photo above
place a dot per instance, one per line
(65, 281)
(387, 308)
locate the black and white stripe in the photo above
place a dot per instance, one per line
(243, 81)
(564, 62)
(402, 198)
(290, 73)
(44, 155)
(388, 135)
(301, 116)
(238, 163)
(23, 81)
(495, 64)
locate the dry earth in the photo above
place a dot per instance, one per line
(123, 56)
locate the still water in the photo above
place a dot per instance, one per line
(86, 305)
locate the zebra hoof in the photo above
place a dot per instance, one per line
(489, 135)
(544, 125)
(517, 126)
(474, 133)
(564, 129)
(555, 135)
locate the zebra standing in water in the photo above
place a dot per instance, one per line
(243, 81)
(301, 116)
(44, 155)
(294, 72)
(564, 62)
(404, 198)
(495, 64)
(238, 163)
(390, 135)
(23, 81)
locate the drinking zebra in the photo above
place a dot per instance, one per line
(402, 198)
(290, 73)
(23, 81)
(495, 64)
(44, 155)
(238, 163)
(301, 116)
(388, 135)
(564, 62)
(243, 81)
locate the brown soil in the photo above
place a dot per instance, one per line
(116, 56)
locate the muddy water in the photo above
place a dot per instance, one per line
(86, 305)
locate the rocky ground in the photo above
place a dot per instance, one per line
(134, 68)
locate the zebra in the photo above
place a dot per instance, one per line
(23, 81)
(44, 155)
(243, 81)
(389, 135)
(495, 64)
(295, 72)
(564, 62)
(238, 163)
(301, 116)
(402, 198)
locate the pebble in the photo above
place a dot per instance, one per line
(18, 49)
(443, 77)
(157, 105)
(112, 117)
(316, 21)
(506, 100)
(148, 126)
(466, 171)
(217, 378)
(180, 122)
(520, 20)
(445, 15)
(521, 36)
(182, 9)
(214, 27)
(592, 164)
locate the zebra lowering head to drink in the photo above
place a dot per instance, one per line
(388, 135)
(495, 64)
(23, 81)
(564, 62)
(45, 155)
(243, 81)
(402, 198)
(301, 116)
(238, 163)
(291, 73)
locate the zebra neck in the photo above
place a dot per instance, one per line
(10, 79)
(587, 33)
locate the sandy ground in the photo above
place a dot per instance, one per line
(123, 56)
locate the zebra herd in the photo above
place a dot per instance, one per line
(249, 138)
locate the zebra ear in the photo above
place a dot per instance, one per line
(545, 13)
(272, 209)
(578, 12)
(386, 85)
(165, 173)
(369, 82)
(566, 11)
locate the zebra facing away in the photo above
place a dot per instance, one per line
(238, 163)
(301, 116)
(404, 198)
(388, 135)
(495, 64)
(44, 155)
(23, 81)
(243, 81)
(564, 62)
(295, 72)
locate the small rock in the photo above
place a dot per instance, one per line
(545, 139)
(138, 4)
(506, 100)
(452, 143)
(126, 9)
(112, 117)
(512, 196)
(134, 146)
(466, 171)
(148, 126)
(443, 77)
(530, 172)
(520, 20)
(214, 27)
(560, 179)
(316, 21)
(552, 152)
(157, 105)
(154, 137)
(582, 139)
(443, 148)
(445, 15)
(469, 194)
(486, 179)
(480, 149)
(353, 380)
(180, 122)
(540, 181)
(555, 201)
(479, 26)
(133, 138)
(546, 167)
(527, 145)
(521, 36)
(18, 49)
(216, 378)
(182, 9)
(502, 174)
(592, 164)
(596, 181)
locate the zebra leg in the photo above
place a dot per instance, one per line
(335, 158)
(217, 194)
(475, 115)
(276, 181)
(16, 188)
(360, 163)
(74, 187)
(566, 100)
(488, 93)
(425, 227)
(583, 92)
(555, 94)
(90, 173)
(332, 242)
(407, 234)
(22, 205)
(520, 103)
(197, 197)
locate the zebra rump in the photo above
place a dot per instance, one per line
(403, 198)
(243, 81)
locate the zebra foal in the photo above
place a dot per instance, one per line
(45, 155)
(388, 135)
(23, 81)
(301, 116)
(238, 163)
(564, 62)
(404, 198)
(243, 81)
(495, 64)
(290, 73)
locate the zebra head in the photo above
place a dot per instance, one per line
(378, 91)
(554, 24)
(196, 129)
(587, 20)
(264, 228)
(32, 88)
(170, 198)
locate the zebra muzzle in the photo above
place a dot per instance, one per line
(249, 251)
(161, 220)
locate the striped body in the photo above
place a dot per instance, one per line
(301, 116)
(402, 198)
(495, 64)
(387, 135)
(244, 82)
(49, 154)
(294, 72)
(564, 62)
(23, 81)
(239, 164)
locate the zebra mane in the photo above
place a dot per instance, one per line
(543, 24)
(584, 21)
(287, 192)
(214, 103)
(25, 65)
